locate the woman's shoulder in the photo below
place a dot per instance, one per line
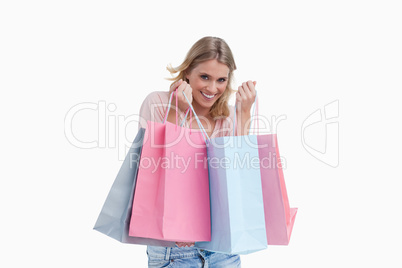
(157, 97)
(153, 107)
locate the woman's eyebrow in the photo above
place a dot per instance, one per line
(204, 73)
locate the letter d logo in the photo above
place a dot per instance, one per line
(320, 134)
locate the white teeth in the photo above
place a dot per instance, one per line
(208, 96)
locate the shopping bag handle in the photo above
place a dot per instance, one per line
(254, 114)
(190, 110)
(185, 116)
(203, 132)
(168, 108)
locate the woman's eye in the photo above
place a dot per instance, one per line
(221, 80)
(204, 77)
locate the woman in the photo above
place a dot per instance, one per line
(205, 77)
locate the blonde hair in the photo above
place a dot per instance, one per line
(208, 48)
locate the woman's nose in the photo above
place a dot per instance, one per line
(211, 85)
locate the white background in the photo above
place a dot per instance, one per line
(303, 55)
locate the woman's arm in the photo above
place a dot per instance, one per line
(153, 108)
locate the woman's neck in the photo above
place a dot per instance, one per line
(201, 111)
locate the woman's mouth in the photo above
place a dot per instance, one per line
(206, 96)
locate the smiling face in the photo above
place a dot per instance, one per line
(208, 81)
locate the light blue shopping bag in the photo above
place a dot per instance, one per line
(237, 208)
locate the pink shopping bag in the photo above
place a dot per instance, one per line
(171, 200)
(279, 217)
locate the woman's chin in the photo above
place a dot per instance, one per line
(205, 104)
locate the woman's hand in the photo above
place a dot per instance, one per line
(245, 98)
(182, 86)
(185, 244)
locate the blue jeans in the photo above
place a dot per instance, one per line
(189, 257)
